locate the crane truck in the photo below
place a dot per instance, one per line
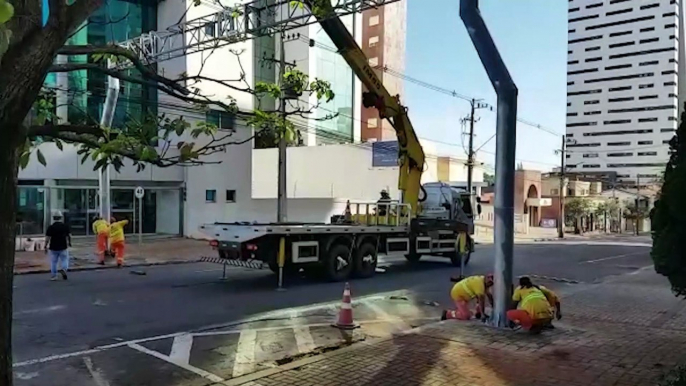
(434, 219)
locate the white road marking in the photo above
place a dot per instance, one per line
(399, 324)
(612, 257)
(40, 310)
(181, 349)
(244, 362)
(200, 372)
(98, 378)
(588, 242)
(304, 339)
(26, 376)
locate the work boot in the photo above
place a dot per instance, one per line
(64, 274)
(444, 315)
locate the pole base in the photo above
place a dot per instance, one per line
(346, 327)
(280, 289)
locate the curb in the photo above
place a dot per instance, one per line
(99, 267)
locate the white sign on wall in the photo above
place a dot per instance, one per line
(139, 192)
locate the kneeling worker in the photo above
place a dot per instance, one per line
(102, 232)
(534, 311)
(117, 239)
(464, 291)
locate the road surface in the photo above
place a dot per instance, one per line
(139, 323)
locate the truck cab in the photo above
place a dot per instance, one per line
(450, 203)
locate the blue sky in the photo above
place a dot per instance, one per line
(532, 38)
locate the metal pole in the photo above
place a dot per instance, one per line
(106, 121)
(140, 224)
(506, 126)
(281, 210)
(561, 220)
(637, 203)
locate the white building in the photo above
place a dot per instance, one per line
(623, 86)
(330, 169)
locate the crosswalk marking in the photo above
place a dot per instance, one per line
(304, 339)
(200, 372)
(382, 314)
(244, 362)
(181, 349)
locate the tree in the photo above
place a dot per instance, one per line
(609, 210)
(28, 50)
(575, 209)
(669, 217)
(489, 179)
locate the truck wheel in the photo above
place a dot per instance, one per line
(365, 260)
(338, 264)
(455, 258)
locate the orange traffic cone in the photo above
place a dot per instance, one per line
(345, 315)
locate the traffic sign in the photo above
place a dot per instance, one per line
(140, 192)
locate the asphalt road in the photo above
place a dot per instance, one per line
(96, 308)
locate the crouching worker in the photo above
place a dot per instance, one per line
(473, 287)
(534, 311)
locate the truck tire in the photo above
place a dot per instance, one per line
(413, 257)
(455, 258)
(365, 260)
(338, 265)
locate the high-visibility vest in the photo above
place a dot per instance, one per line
(466, 289)
(533, 295)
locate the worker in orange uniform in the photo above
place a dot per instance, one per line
(117, 239)
(462, 293)
(534, 311)
(101, 228)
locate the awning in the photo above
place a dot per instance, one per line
(539, 202)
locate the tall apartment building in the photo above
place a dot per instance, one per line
(384, 30)
(623, 95)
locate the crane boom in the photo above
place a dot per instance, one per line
(410, 153)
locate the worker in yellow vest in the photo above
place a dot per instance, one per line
(462, 293)
(534, 311)
(101, 229)
(117, 239)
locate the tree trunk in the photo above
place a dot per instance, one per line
(8, 211)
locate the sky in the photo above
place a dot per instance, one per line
(531, 36)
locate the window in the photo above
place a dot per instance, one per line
(595, 144)
(230, 195)
(210, 29)
(595, 59)
(625, 143)
(669, 14)
(638, 53)
(587, 39)
(668, 26)
(645, 142)
(650, 63)
(617, 122)
(596, 48)
(574, 9)
(618, 132)
(592, 113)
(374, 20)
(571, 31)
(646, 85)
(623, 99)
(586, 92)
(210, 195)
(573, 62)
(590, 155)
(636, 165)
(666, 141)
(623, 88)
(647, 153)
(647, 108)
(623, 44)
(374, 61)
(651, 40)
(572, 114)
(641, 120)
(593, 102)
(373, 41)
(670, 83)
(620, 22)
(620, 154)
(667, 130)
(585, 71)
(372, 123)
(590, 166)
(221, 119)
(648, 29)
(578, 124)
(668, 72)
(554, 192)
(581, 18)
(594, 5)
(619, 66)
(570, 83)
(648, 6)
(620, 33)
(622, 77)
(672, 95)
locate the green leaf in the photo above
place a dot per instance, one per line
(41, 157)
(24, 160)
(6, 12)
(102, 162)
(58, 143)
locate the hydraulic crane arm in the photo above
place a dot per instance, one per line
(410, 153)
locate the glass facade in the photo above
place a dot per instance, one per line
(116, 21)
(332, 67)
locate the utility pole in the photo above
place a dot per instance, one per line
(106, 121)
(561, 219)
(637, 203)
(282, 203)
(475, 104)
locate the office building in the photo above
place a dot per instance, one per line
(623, 89)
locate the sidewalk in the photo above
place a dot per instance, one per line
(633, 332)
(151, 252)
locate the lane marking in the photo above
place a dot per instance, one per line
(97, 376)
(304, 339)
(594, 243)
(193, 369)
(244, 362)
(181, 349)
(612, 257)
(41, 310)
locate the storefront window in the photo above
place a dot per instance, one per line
(31, 211)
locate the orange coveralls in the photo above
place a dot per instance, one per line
(117, 239)
(102, 231)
